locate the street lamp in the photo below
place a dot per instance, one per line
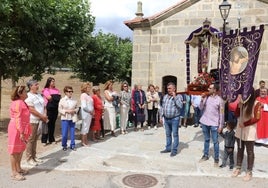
(224, 9)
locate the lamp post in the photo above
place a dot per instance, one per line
(224, 9)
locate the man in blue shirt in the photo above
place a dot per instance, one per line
(171, 109)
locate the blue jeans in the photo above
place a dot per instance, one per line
(213, 130)
(197, 115)
(65, 126)
(231, 117)
(172, 129)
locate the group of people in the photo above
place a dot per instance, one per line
(33, 113)
(244, 125)
(29, 112)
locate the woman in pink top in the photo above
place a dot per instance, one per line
(19, 130)
(52, 97)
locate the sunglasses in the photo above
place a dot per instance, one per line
(125, 86)
(69, 91)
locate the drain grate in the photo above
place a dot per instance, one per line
(140, 181)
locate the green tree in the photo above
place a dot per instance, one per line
(106, 57)
(37, 35)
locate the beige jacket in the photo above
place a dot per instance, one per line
(68, 104)
(152, 100)
(247, 133)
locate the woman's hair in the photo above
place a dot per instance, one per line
(66, 88)
(84, 87)
(250, 103)
(150, 85)
(48, 82)
(18, 90)
(95, 89)
(122, 85)
(106, 85)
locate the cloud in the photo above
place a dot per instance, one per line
(114, 25)
(110, 15)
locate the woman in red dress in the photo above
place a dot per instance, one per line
(98, 109)
(19, 130)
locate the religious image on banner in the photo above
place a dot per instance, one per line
(238, 60)
(240, 53)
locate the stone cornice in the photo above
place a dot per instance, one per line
(152, 20)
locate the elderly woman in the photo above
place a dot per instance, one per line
(36, 105)
(87, 111)
(153, 99)
(125, 103)
(109, 108)
(140, 103)
(68, 111)
(19, 130)
(98, 109)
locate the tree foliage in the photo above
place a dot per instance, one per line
(36, 35)
(107, 57)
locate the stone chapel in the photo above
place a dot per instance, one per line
(159, 40)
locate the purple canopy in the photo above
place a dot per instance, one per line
(195, 39)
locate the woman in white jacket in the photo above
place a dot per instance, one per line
(87, 111)
(68, 111)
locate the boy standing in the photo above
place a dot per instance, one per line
(229, 142)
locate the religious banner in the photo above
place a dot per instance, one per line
(240, 53)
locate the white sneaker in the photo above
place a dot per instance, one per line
(149, 127)
(32, 163)
(155, 127)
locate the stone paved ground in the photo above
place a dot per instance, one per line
(107, 163)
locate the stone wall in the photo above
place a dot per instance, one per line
(160, 50)
(62, 79)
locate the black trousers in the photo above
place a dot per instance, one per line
(152, 116)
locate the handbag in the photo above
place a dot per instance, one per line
(130, 116)
(42, 128)
(140, 116)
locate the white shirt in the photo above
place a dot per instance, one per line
(36, 101)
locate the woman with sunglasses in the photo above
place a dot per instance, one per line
(125, 102)
(68, 111)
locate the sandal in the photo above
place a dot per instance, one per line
(248, 176)
(236, 172)
(23, 172)
(86, 145)
(18, 177)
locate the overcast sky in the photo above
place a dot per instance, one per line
(110, 15)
